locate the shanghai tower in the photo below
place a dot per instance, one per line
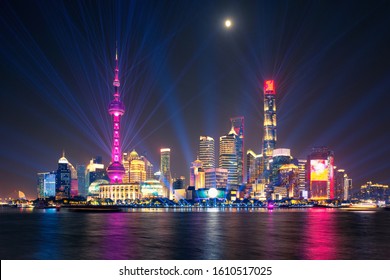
(269, 137)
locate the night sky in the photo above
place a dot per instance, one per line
(183, 74)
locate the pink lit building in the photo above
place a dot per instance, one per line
(116, 109)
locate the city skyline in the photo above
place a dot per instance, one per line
(185, 75)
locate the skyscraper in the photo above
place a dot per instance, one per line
(216, 178)
(228, 157)
(46, 184)
(148, 168)
(63, 179)
(253, 166)
(339, 184)
(165, 167)
(302, 164)
(116, 109)
(74, 188)
(343, 185)
(279, 157)
(126, 165)
(82, 187)
(41, 184)
(94, 171)
(269, 137)
(284, 174)
(137, 168)
(206, 153)
(197, 174)
(238, 126)
(195, 165)
(320, 173)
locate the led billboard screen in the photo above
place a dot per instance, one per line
(269, 86)
(319, 169)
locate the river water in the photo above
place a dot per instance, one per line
(234, 234)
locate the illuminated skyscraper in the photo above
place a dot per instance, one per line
(216, 178)
(82, 187)
(238, 126)
(320, 173)
(279, 157)
(63, 179)
(46, 185)
(197, 175)
(148, 168)
(269, 137)
(41, 184)
(137, 168)
(302, 164)
(343, 185)
(339, 184)
(253, 166)
(228, 157)
(165, 167)
(74, 188)
(116, 109)
(94, 171)
(126, 165)
(207, 152)
(284, 174)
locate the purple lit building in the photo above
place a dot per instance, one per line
(116, 109)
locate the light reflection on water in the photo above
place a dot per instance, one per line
(195, 234)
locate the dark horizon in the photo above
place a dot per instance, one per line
(183, 75)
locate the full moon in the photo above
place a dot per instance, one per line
(228, 23)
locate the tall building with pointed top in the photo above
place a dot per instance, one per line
(63, 179)
(116, 109)
(269, 137)
(238, 126)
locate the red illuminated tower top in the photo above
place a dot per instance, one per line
(269, 87)
(116, 109)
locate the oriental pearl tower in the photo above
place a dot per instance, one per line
(116, 109)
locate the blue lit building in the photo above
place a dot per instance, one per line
(46, 186)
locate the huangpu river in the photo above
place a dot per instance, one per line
(201, 234)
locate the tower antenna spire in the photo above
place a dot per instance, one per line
(116, 82)
(116, 53)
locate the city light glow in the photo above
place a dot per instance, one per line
(228, 23)
(213, 193)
